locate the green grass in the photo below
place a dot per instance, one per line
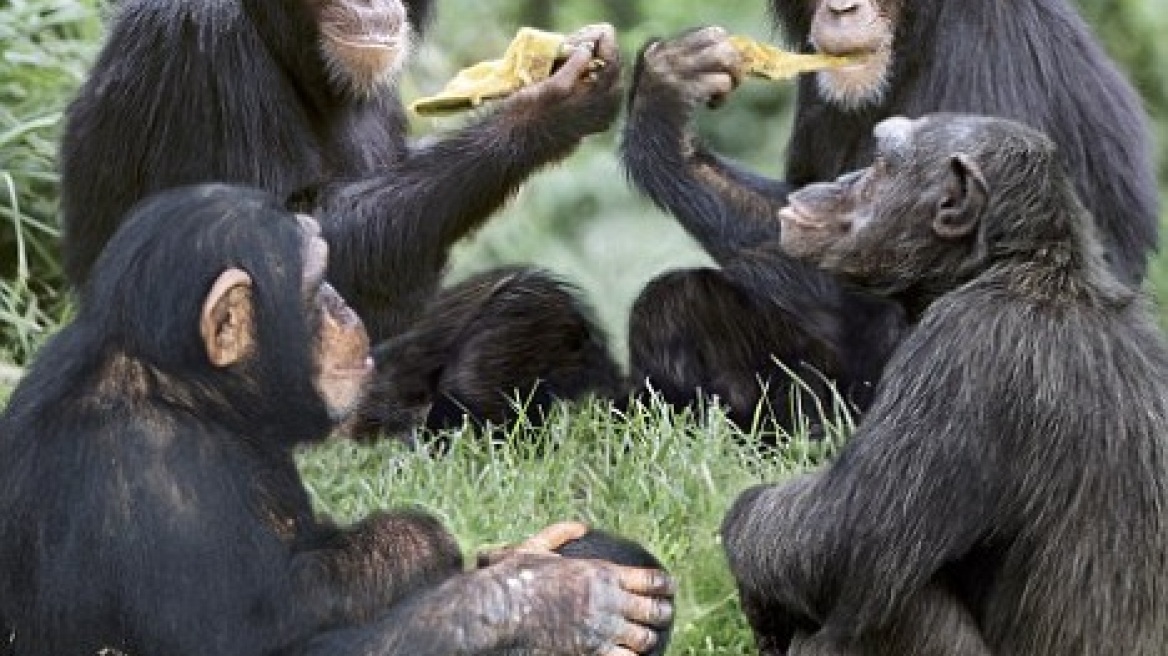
(655, 475)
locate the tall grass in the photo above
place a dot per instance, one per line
(652, 474)
(45, 47)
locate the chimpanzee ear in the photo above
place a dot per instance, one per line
(966, 194)
(226, 323)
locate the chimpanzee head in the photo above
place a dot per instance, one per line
(366, 42)
(945, 194)
(218, 294)
(355, 47)
(864, 28)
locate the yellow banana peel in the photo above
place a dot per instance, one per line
(532, 55)
(763, 60)
(530, 58)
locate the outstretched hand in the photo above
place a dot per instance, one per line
(583, 95)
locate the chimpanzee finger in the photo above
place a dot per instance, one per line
(553, 537)
(650, 611)
(716, 87)
(638, 638)
(700, 38)
(606, 47)
(591, 36)
(645, 581)
(577, 66)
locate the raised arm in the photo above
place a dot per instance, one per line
(390, 233)
(723, 206)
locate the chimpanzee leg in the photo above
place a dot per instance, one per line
(487, 348)
(935, 623)
(775, 553)
(696, 334)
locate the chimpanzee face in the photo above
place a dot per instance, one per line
(365, 42)
(344, 366)
(851, 27)
(901, 219)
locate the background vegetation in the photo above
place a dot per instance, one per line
(663, 477)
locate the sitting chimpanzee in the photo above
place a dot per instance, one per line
(299, 97)
(1005, 493)
(152, 506)
(760, 315)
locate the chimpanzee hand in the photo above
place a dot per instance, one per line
(578, 607)
(700, 67)
(547, 541)
(583, 95)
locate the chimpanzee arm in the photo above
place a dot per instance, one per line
(918, 487)
(390, 233)
(538, 602)
(664, 159)
(353, 575)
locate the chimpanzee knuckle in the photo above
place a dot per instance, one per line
(726, 56)
(652, 611)
(657, 611)
(710, 85)
(703, 38)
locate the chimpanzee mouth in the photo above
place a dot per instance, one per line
(797, 217)
(860, 83)
(349, 370)
(390, 43)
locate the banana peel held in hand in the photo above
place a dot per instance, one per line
(533, 54)
(530, 58)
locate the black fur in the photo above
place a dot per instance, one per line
(721, 330)
(152, 506)
(1004, 494)
(243, 95)
(480, 336)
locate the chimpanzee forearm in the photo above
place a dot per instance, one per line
(529, 602)
(354, 575)
(722, 205)
(390, 234)
(726, 210)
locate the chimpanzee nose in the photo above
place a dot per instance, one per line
(842, 7)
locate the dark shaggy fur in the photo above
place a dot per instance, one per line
(152, 505)
(189, 91)
(1031, 60)
(1005, 493)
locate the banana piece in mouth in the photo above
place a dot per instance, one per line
(767, 61)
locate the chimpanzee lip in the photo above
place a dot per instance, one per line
(371, 43)
(795, 214)
(387, 40)
(351, 370)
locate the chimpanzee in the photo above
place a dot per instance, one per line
(1005, 493)
(760, 314)
(299, 97)
(152, 505)
(476, 339)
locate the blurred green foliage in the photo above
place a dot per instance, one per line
(578, 219)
